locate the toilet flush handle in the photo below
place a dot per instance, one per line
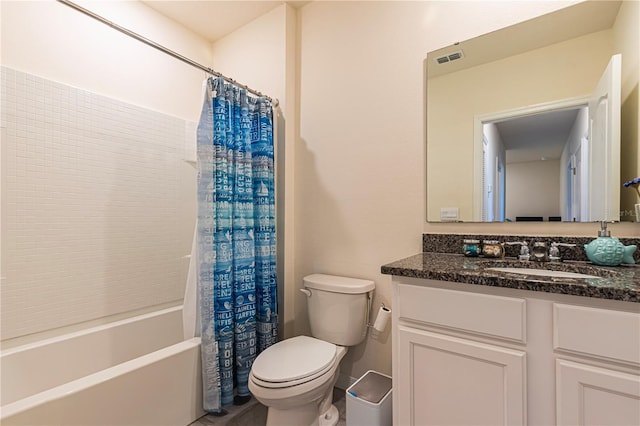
(305, 291)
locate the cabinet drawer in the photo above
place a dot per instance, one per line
(603, 333)
(495, 316)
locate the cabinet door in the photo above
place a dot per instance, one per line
(588, 395)
(444, 380)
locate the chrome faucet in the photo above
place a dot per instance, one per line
(524, 249)
(539, 251)
(554, 251)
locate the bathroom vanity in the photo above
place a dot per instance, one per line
(472, 345)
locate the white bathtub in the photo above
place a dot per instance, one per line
(137, 371)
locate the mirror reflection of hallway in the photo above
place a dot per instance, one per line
(565, 60)
(538, 163)
(525, 159)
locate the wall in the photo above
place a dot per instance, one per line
(74, 49)
(626, 36)
(262, 55)
(494, 162)
(360, 157)
(573, 146)
(542, 174)
(49, 40)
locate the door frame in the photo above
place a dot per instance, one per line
(481, 119)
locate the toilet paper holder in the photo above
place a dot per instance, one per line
(383, 317)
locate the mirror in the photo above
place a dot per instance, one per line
(515, 119)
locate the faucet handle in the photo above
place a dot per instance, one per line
(554, 251)
(524, 249)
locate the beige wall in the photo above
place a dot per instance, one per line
(360, 168)
(359, 195)
(627, 41)
(259, 45)
(52, 41)
(521, 177)
(358, 159)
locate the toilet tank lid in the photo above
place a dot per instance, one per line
(338, 284)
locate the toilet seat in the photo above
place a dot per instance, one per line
(293, 361)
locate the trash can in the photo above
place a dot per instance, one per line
(369, 400)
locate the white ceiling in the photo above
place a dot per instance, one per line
(215, 19)
(538, 136)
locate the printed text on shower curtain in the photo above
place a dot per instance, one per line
(236, 239)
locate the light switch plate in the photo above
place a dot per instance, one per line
(449, 214)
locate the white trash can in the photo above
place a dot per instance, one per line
(369, 400)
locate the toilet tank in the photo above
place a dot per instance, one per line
(338, 308)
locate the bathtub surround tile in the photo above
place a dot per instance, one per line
(95, 208)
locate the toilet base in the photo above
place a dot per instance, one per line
(330, 417)
(306, 415)
(303, 415)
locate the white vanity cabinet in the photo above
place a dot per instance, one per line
(477, 355)
(447, 380)
(596, 394)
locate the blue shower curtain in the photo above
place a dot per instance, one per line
(236, 239)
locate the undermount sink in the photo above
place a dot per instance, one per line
(542, 272)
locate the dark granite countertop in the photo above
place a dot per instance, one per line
(617, 283)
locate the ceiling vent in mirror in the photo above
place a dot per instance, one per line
(453, 56)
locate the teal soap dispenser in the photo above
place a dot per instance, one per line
(608, 251)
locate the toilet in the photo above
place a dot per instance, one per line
(295, 377)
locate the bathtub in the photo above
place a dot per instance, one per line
(137, 371)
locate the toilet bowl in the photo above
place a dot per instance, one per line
(295, 377)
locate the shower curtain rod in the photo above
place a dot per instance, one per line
(164, 49)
